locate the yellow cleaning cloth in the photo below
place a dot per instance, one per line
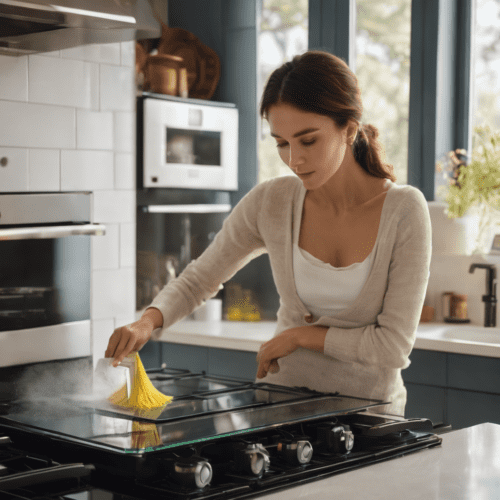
(144, 435)
(143, 394)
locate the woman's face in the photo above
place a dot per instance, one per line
(312, 145)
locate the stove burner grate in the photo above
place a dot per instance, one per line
(29, 476)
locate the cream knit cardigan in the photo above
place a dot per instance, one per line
(368, 344)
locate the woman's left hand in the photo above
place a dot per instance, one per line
(278, 347)
(308, 337)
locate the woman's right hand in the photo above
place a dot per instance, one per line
(134, 336)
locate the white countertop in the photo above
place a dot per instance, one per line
(465, 467)
(248, 336)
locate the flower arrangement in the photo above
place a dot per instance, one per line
(474, 183)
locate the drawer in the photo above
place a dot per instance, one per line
(231, 363)
(427, 367)
(189, 357)
(474, 373)
(467, 408)
(425, 402)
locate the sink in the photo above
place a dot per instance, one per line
(462, 333)
(473, 334)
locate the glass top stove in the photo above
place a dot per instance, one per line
(204, 408)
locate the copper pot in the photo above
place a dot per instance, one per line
(162, 74)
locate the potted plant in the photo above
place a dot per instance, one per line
(473, 187)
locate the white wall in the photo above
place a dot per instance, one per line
(67, 123)
(450, 270)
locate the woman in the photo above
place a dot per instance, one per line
(349, 249)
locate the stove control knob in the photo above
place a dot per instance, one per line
(193, 472)
(297, 451)
(336, 438)
(347, 438)
(252, 459)
(304, 451)
(266, 456)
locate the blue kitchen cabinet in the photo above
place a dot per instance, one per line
(457, 389)
(426, 368)
(474, 373)
(221, 362)
(425, 381)
(425, 401)
(231, 363)
(150, 355)
(468, 408)
(190, 357)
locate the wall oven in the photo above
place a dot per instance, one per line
(186, 143)
(45, 274)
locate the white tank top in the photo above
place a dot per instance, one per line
(326, 290)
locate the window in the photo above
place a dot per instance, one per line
(486, 65)
(283, 33)
(382, 65)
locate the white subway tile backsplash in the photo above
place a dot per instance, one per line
(36, 125)
(62, 82)
(14, 78)
(113, 293)
(128, 54)
(114, 206)
(86, 170)
(106, 248)
(94, 130)
(44, 170)
(101, 53)
(128, 245)
(117, 88)
(124, 171)
(95, 87)
(14, 175)
(68, 123)
(124, 128)
(102, 329)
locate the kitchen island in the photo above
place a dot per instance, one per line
(453, 376)
(465, 467)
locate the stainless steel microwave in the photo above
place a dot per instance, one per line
(187, 143)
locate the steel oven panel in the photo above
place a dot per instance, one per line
(46, 343)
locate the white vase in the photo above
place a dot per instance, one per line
(453, 236)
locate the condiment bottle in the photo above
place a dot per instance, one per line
(459, 306)
(446, 300)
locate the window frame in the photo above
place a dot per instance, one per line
(440, 75)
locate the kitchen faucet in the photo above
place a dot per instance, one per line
(490, 300)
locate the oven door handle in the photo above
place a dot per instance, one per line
(41, 232)
(40, 476)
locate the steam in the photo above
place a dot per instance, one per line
(57, 379)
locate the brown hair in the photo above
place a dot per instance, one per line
(319, 82)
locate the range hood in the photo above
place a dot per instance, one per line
(31, 26)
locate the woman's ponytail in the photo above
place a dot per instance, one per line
(369, 153)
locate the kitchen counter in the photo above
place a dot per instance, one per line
(451, 378)
(465, 467)
(247, 336)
